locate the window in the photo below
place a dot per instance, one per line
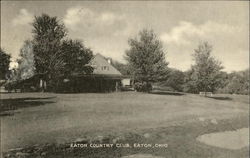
(105, 68)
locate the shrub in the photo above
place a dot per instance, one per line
(143, 87)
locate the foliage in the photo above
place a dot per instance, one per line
(146, 58)
(236, 83)
(48, 34)
(13, 75)
(122, 68)
(4, 64)
(53, 55)
(175, 80)
(26, 67)
(206, 74)
(143, 87)
(76, 57)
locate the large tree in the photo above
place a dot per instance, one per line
(26, 67)
(76, 58)
(4, 64)
(206, 73)
(48, 34)
(146, 57)
(54, 56)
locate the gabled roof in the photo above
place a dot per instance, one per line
(103, 67)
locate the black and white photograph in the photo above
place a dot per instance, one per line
(124, 79)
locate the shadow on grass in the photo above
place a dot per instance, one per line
(221, 98)
(180, 137)
(7, 105)
(166, 93)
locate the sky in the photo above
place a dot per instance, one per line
(106, 26)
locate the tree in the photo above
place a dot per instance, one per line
(75, 58)
(4, 64)
(48, 33)
(26, 66)
(146, 58)
(122, 68)
(175, 80)
(237, 83)
(206, 73)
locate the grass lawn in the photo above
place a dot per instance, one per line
(40, 118)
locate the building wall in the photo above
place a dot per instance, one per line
(89, 84)
(126, 82)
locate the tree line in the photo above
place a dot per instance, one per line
(52, 54)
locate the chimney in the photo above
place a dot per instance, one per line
(109, 60)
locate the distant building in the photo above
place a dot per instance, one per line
(105, 78)
(126, 82)
(102, 66)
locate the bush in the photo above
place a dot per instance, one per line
(143, 87)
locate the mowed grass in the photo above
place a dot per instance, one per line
(62, 118)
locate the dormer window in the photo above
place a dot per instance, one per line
(105, 68)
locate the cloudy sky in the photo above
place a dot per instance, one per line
(106, 26)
